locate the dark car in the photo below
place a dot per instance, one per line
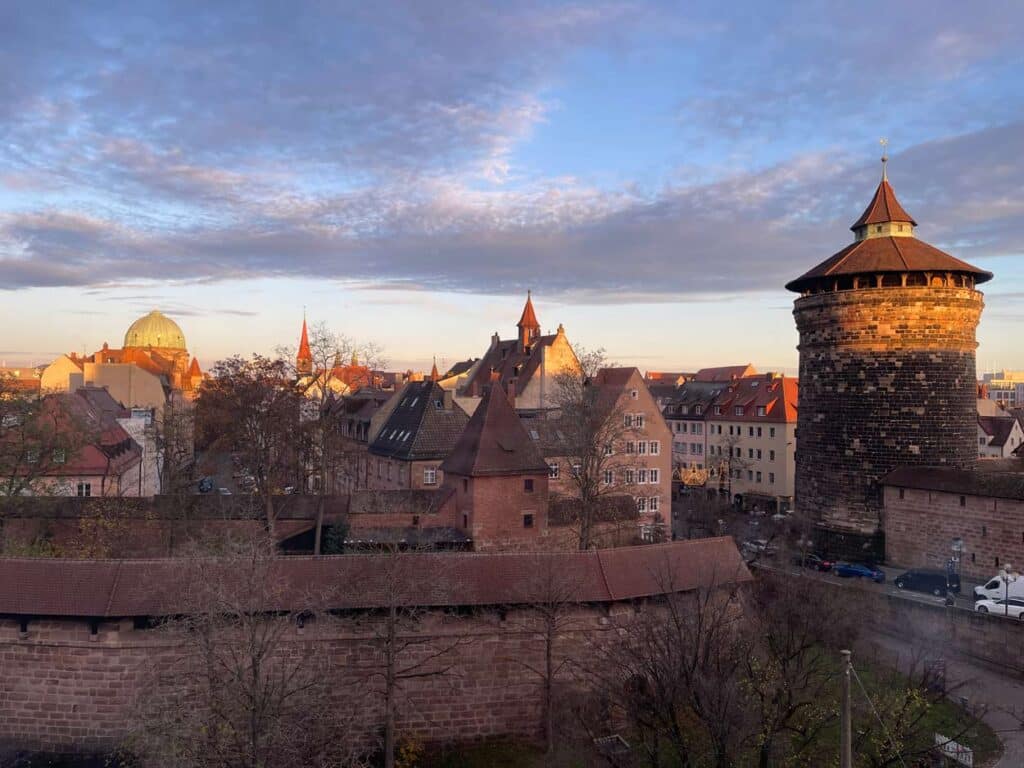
(935, 582)
(858, 571)
(206, 485)
(811, 560)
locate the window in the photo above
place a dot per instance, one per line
(760, 410)
(730, 429)
(759, 431)
(638, 419)
(655, 447)
(641, 476)
(655, 475)
(634, 394)
(534, 435)
(771, 431)
(758, 454)
(878, 228)
(627, 476)
(771, 455)
(750, 474)
(901, 493)
(389, 470)
(575, 470)
(627, 420)
(698, 410)
(465, 487)
(84, 489)
(608, 450)
(759, 477)
(696, 448)
(528, 485)
(652, 503)
(32, 455)
(750, 453)
(963, 501)
(609, 477)
(553, 471)
(750, 431)
(630, 446)
(416, 520)
(59, 455)
(430, 476)
(698, 429)
(771, 478)
(641, 447)
(641, 504)
(738, 410)
(528, 520)
(718, 410)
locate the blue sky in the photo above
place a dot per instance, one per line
(654, 172)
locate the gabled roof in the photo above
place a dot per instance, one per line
(883, 208)
(160, 587)
(508, 360)
(998, 428)
(777, 395)
(494, 442)
(1000, 485)
(424, 425)
(724, 373)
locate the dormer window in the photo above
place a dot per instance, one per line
(760, 411)
(698, 411)
(738, 410)
(718, 410)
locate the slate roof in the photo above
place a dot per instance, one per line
(126, 588)
(494, 442)
(423, 426)
(997, 428)
(1000, 485)
(510, 362)
(461, 367)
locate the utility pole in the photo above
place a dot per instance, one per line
(845, 730)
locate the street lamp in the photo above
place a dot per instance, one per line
(1008, 576)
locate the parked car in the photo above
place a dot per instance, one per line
(759, 548)
(811, 560)
(1014, 607)
(858, 571)
(206, 485)
(996, 588)
(936, 582)
(224, 491)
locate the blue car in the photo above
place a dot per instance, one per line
(859, 571)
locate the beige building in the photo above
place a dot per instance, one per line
(526, 367)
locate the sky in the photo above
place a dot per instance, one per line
(405, 172)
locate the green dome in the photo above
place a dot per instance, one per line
(155, 330)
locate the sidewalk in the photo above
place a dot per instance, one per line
(1002, 695)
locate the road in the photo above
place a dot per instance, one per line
(999, 694)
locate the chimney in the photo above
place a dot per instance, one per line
(447, 399)
(494, 340)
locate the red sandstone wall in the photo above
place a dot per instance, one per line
(496, 509)
(61, 691)
(920, 527)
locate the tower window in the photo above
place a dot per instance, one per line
(528, 485)
(878, 228)
(528, 520)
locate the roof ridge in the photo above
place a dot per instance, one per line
(852, 249)
(899, 251)
(604, 574)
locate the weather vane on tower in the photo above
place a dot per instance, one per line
(885, 154)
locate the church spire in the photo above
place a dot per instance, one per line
(304, 359)
(529, 327)
(434, 375)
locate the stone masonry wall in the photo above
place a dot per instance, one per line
(920, 527)
(887, 379)
(61, 691)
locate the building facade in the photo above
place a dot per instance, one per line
(887, 368)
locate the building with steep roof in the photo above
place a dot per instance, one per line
(420, 428)
(499, 476)
(887, 369)
(526, 367)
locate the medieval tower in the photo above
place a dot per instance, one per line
(887, 370)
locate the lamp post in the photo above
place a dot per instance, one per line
(1008, 576)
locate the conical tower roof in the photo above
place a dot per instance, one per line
(494, 442)
(529, 317)
(193, 369)
(883, 208)
(304, 353)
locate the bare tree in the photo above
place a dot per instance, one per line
(248, 688)
(252, 407)
(672, 674)
(555, 613)
(593, 431)
(340, 366)
(39, 435)
(406, 652)
(174, 437)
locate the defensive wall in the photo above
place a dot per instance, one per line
(78, 656)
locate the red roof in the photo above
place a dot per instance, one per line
(193, 369)
(304, 353)
(887, 254)
(725, 373)
(123, 588)
(494, 442)
(529, 317)
(883, 208)
(776, 395)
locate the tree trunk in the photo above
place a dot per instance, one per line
(318, 535)
(389, 691)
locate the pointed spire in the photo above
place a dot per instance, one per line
(434, 375)
(884, 208)
(529, 317)
(304, 359)
(193, 369)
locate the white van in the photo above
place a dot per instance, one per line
(996, 588)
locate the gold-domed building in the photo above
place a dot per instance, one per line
(156, 331)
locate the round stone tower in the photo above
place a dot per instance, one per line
(887, 370)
